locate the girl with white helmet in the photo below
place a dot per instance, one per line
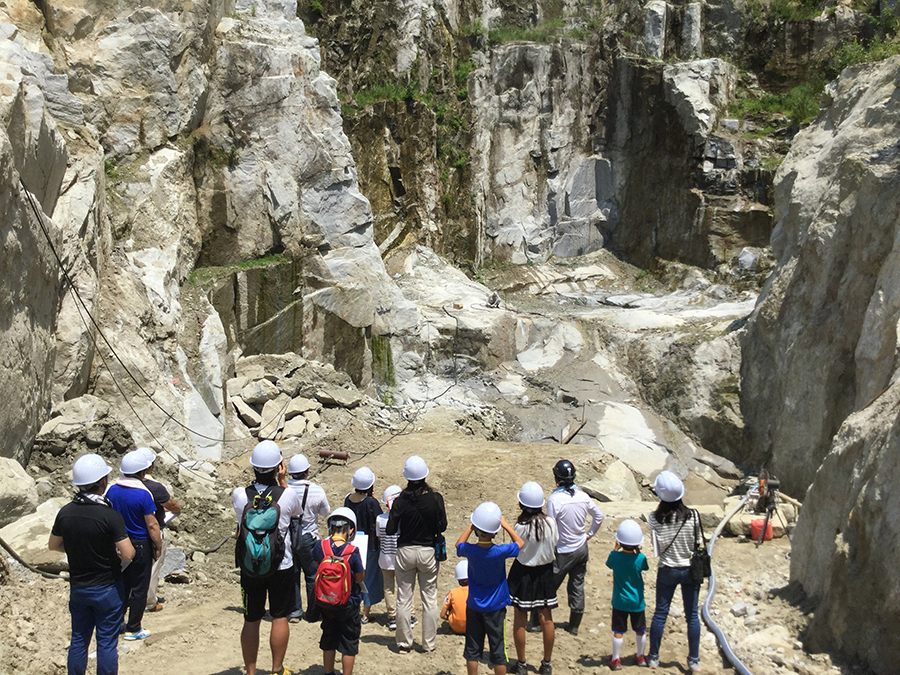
(417, 515)
(387, 556)
(531, 582)
(367, 509)
(676, 531)
(628, 563)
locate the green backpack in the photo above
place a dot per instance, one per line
(260, 547)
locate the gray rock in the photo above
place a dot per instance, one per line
(655, 28)
(272, 418)
(692, 31)
(28, 536)
(294, 427)
(301, 406)
(338, 397)
(248, 415)
(616, 485)
(258, 392)
(175, 563)
(739, 609)
(18, 495)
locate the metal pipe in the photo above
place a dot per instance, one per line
(711, 591)
(333, 454)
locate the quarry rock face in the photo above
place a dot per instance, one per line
(819, 359)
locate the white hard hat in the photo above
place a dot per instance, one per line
(363, 478)
(415, 468)
(148, 453)
(88, 469)
(389, 495)
(266, 455)
(532, 495)
(462, 570)
(668, 487)
(629, 533)
(345, 513)
(298, 464)
(487, 517)
(134, 462)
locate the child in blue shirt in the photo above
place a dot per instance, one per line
(627, 563)
(488, 591)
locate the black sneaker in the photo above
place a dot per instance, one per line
(545, 669)
(517, 667)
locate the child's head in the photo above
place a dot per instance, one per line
(390, 494)
(630, 535)
(486, 521)
(363, 480)
(342, 524)
(462, 572)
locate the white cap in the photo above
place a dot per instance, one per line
(88, 469)
(298, 464)
(134, 462)
(390, 494)
(266, 455)
(487, 517)
(363, 479)
(668, 487)
(462, 570)
(630, 533)
(415, 468)
(532, 495)
(151, 456)
(345, 513)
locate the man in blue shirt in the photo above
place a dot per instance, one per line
(130, 497)
(488, 590)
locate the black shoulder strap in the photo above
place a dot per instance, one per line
(305, 495)
(698, 524)
(673, 538)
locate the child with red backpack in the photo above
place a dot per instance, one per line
(338, 592)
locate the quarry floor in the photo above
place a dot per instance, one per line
(198, 630)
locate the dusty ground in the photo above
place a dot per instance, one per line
(197, 633)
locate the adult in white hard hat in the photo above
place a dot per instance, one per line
(418, 516)
(269, 485)
(571, 507)
(532, 585)
(305, 532)
(628, 563)
(367, 509)
(488, 590)
(166, 508)
(130, 497)
(93, 536)
(676, 531)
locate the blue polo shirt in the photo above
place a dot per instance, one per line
(488, 590)
(628, 582)
(133, 504)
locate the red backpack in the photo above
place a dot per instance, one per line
(334, 580)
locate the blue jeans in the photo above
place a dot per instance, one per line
(667, 580)
(97, 607)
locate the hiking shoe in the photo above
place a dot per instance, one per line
(640, 660)
(652, 663)
(545, 669)
(615, 664)
(283, 671)
(517, 667)
(142, 634)
(392, 624)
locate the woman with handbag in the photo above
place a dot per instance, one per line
(418, 516)
(677, 533)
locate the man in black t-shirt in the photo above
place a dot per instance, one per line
(164, 502)
(92, 534)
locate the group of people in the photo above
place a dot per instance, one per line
(115, 539)
(400, 548)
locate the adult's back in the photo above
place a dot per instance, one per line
(416, 517)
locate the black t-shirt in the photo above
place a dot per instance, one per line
(417, 519)
(90, 533)
(366, 512)
(160, 497)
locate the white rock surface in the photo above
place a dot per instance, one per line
(18, 494)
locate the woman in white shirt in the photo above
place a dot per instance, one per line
(531, 583)
(676, 531)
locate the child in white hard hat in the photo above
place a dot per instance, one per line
(454, 611)
(387, 557)
(488, 590)
(628, 564)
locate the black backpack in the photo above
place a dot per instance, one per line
(296, 528)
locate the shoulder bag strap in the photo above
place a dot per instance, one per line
(305, 495)
(673, 538)
(698, 524)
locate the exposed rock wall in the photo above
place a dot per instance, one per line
(822, 341)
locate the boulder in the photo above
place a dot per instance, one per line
(272, 418)
(28, 536)
(248, 415)
(301, 406)
(616, 485)
(18, 493)
(294, 427)
(338, 397)
(259, 392)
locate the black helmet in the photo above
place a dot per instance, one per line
(564, 471)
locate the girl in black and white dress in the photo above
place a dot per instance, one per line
(531, 583)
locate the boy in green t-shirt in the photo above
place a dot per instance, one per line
(627, 563)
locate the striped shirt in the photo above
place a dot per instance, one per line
(676, 552)
(387, 556)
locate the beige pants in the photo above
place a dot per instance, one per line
(390, 600)
(154, 571)
(416, 562)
